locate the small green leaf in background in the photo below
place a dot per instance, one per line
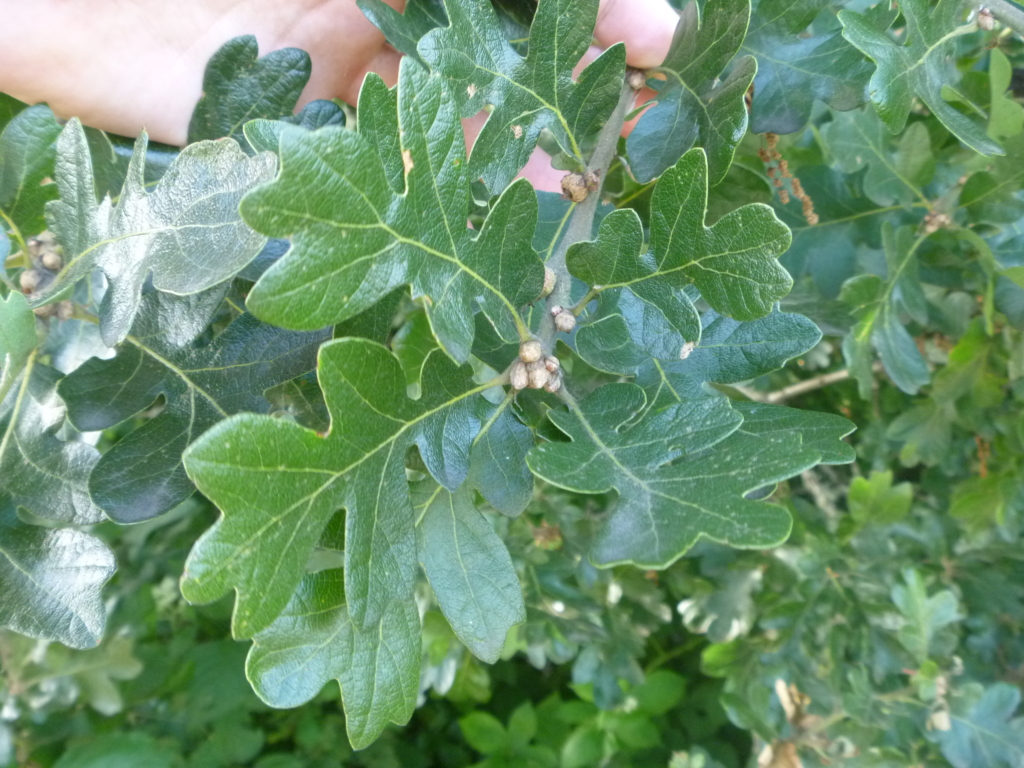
(26, 159)
(876, 500)
(129, 749)
(142, 475)
(984, 733)
(238, 87)
(924, 615)
(695, 103)
(877, 304)
(793, 69)
(921, 67)
(858, 139)
(359, 239)
(983, 501)
(527, 94)
(186, 234)
(484, 732)
(1006, 114)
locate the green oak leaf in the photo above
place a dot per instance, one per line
(733, 263)
(469, 569)
(730, 351)
(664, 505)
(279, 484)
(142, 475)
(983, 730)
(1006, 115)
(404, 30)
(924, 616)
(238, 87)
(186, 234)
(265, 135)
(824, 432)
(497, 460)
(695, 102)
(921, 67)
(794, 70)
(359, 238)
(860, 140)
(38, 471)
(877, 304)
(17, 337)
(26, 159)
(315, 640)
(51, 580)
(525, 94)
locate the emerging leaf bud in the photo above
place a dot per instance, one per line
(47, 310)
(565, 321)
(530, 351)
(574, 187)
(636, 78)
(986, 22)
(518, 377)
(538, 374)
(552, 364)
(549, 282)
(556, 311)
(593, 180)
(65, 309)
(686, 350)
(52, 261)
(554, 382)
(29, 280)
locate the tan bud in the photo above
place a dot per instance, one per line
(52, 261)
(539, 376)
(574, 187)
(549, 282)
(518, 377)
(556, 311)
(565, 321)
(35, 246)
(593, 180)
(986, 21)
(552, 364)
(636, 78)
(47, 310)
(29, 280)
(65, 309)
(531, 350)
(554, 382)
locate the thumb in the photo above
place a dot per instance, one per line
(645, 26)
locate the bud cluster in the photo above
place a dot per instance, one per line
(534, 369)
(46, 258)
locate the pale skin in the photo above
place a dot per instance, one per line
(128, 65)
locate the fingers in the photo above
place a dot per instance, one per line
(645, 26)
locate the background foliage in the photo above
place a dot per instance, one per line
(884, 630)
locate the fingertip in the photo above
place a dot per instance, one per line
(645, 26)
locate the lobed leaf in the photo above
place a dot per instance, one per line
(921, 67)
(142, 475)
(359, 238)
(186, 235)
(525, 94)
(278, 484)
(697, 102)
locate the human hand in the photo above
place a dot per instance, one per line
(139, 64)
